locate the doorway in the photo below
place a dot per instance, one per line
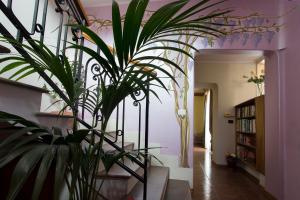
(203, 118)
(223, 77)
(208, 120)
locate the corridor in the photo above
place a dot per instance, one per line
(212, 182)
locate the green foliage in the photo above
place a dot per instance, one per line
(35, 146)
(258, 80)
(130, 71)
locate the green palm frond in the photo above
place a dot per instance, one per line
(133, 44)
(131, 68)
(37, 147)
(42, 59)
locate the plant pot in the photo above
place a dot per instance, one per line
(231, 162)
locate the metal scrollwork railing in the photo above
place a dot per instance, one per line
(137, 103)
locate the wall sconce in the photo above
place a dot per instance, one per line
(181, 113)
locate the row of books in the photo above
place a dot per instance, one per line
(246, 125)
(246, 111)
(245, 155)
(246, 140)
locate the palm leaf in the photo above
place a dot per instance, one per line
(12, 66)
(61, 165)
(166, 48)
(118, 35)
(43, 172)
(23, 169)
(159, 18)
(101, 44)
(143, 58)
(129, 28)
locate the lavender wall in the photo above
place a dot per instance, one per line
(273, 139)
(289, 100)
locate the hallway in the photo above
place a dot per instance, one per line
(221, 183)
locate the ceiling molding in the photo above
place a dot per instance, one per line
(224, 62)
(228, 56)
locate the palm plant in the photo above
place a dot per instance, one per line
(127, 69)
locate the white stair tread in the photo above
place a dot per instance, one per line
(127, 146)
(157, 182)
(178, 190)
(22, 85)
(55, 114)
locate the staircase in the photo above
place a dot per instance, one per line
(118, 184)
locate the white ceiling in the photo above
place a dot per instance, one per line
(92, 3)
(228, 56)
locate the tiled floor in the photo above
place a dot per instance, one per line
(221, 183)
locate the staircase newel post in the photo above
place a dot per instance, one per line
(146, 141)
(79, 71)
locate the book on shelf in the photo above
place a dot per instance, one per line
(246, 140)
(250, 135)
(245, 155)
(246, 111)
(246, 125)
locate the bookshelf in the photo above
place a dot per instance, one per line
(250, 133)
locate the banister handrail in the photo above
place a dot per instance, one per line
(82, 12)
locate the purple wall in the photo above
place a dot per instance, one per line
(290, 98)
(273, 137)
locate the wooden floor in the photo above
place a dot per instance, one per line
(212, 182)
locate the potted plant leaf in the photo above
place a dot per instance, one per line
(130, 71)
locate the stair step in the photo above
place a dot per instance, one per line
(22, 85)
(117, 183)
(111, 135)
(54, 119)
(108, 148)
(20, 99)
(127, 146)
(118, 172)
(55, 114)
(178, 190)
(156, 187)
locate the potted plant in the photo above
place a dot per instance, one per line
(231, 160)
(34, 147)
(258, 80)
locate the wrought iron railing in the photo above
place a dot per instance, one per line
(71, 11)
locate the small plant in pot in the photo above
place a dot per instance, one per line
(231, 160)
(74, 165)
(258, 80)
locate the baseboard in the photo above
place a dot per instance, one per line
(255, 180)
(250, 176)
(269, 195)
